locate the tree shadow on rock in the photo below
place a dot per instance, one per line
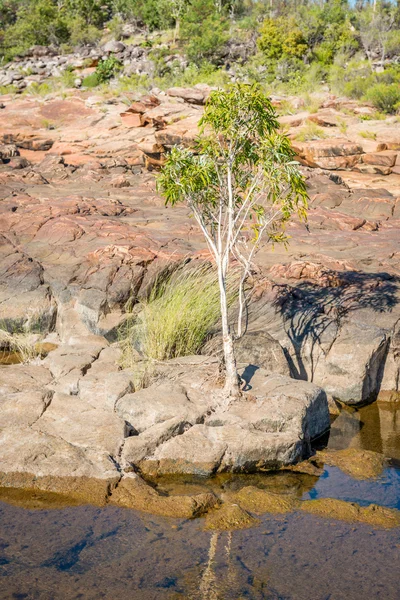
(313, 313)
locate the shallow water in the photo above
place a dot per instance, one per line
(88, 553)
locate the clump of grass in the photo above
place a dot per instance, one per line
(179, 313)
(22, 344)
(368, 135)
(311, 104)
(343, 126)
(285, 108)
(311, 131)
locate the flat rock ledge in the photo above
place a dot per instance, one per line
(74, 425)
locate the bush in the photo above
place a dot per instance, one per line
(179, 313)
(107, 69)
(204, 32)
(384, 97)
(36, 23)
(281, 38)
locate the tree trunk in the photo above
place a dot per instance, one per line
(232, 388)
(177, 29)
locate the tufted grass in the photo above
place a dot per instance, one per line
(23, 345)
(180, 311)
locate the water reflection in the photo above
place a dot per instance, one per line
(375, 427)
(110, 553)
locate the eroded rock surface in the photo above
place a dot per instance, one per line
(83, 232)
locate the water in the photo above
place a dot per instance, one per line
(89, 553)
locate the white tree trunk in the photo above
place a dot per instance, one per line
(232, 388)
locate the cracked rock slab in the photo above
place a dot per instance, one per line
(205, 450)
(78, 423)
(156, 404)
(281, 405)
(31, 459)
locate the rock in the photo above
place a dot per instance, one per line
(114, 47)
(132, 120)
(260, 501)
(373, 169)
(360, 464)
(387, 159)
(33, 460)
(66, 358)
(326, 118)
(191, 95)
(256, 349)
(137, 447)
(79, 423)
(352, 370)
(281, 405)
(103, 389)
(8, 151)
(329, 154)
(374, 515)
(133, 492)
(23, 408)
(229, 517)
(205, 450)
(156, 404)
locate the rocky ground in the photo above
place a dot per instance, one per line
(83, 231)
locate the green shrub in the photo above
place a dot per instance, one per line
(179, 313)
(384, 97)
(106, 69)
(204, 32)
(281, 38)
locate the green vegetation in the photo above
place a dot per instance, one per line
(285, 45)
(310, 131)
(242, 184)
(180, 311)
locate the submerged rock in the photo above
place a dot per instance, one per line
(360, 464)
(377, 516)
(260, 501)
(133, 492)
(230, 517)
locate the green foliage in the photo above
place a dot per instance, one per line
(37, 22)
(384, 97)
(281, 38)
(368, 135)
(179, 313)
(241, 118)
(204, 32)
(91, 81)
(107, 69)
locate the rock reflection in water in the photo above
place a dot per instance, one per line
(374, 427)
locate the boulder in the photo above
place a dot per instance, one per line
(191, 95)
(114, 47)
(156, 404)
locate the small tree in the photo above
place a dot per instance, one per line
(242, 183)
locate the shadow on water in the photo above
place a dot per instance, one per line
(313, 313)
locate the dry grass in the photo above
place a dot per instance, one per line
(310, 131)
(179, 313)
(23, 344)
